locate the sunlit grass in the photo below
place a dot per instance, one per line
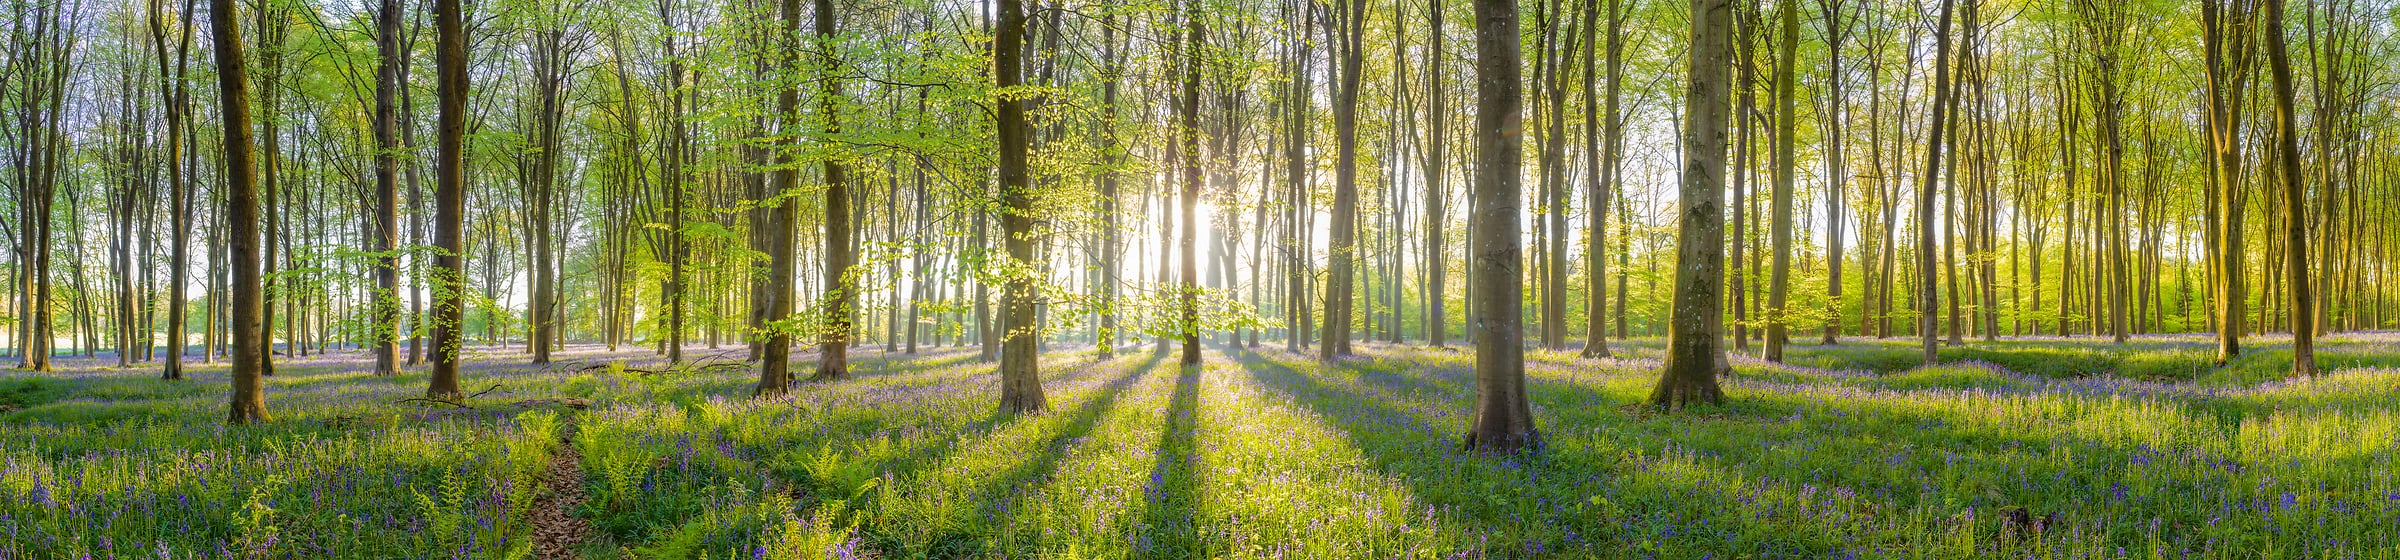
(1252, 455)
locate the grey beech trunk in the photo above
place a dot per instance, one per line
(1503, 419)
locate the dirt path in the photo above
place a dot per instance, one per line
(557, 532)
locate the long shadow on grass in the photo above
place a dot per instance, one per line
(1863, 442)
(1519, 502)
(1416, 462)
(997, 494)
(925, 456)
(1168, 528)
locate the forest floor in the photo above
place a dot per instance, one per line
(2050, 447)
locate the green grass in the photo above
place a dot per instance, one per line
(1848, 452)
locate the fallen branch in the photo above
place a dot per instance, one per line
(434, 400)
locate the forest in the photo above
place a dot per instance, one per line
(1062, 279)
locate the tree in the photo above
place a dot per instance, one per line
(2104, 24)
(1695, 353)
(1942, 101)
(1189, 110)
(2287, 151)
(385, 243)
(178, 105)
(1348, 29)
(1020, 373)
(553, 46)
(841, 295)
(449, 197)
(777, 216)
(1787, 128)
(1503, 418)
(249, 401)
(1111, 248)
(1601, 177)
(2227, 30)
(1837, 176)
(1437, 119)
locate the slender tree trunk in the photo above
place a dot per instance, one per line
(1437, 118)
(1942, 100)
(1787, 128)
(775, 295)
(249, 403)
(1188, 324)
(1600, 175)
(841, 294)
(1349, 28)
(2287, 148)
(178, 105)
(2227, 29)
(1837, 176)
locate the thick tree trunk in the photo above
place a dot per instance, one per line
(1020, 373)
(1503, 419)
(384, 242)
(1695, 355)
(449, 197)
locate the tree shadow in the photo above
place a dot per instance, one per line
(1419, 463)
(1168, 527)
(996, 494)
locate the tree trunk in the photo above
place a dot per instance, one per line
(1503, 419)
(1020, 373)
(1437, 323)
(1942, 100)
(1188, 325)
(384, 240)
(1837, 176)
(449, 197)
(1349, 28)
(1787, 128)
(249, 403)
(2287, 148)
(774, 296)
(1695, 355)
(841, 294)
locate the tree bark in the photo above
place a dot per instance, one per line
(384, 243)
(774, 353)
(249, 403)
(1942, 100)
(1349, 29)
(449, 197)
(1695, 355)
(1503, 419)
(1787, 121)
(1020, 373)
(1188, 325)
(2287, 148)
(841, 294)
